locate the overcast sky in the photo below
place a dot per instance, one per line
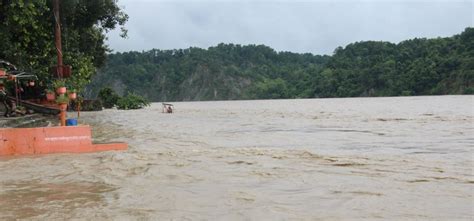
(315, 26)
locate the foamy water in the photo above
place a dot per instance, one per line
(332, 159)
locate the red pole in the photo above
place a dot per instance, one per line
(16, 91)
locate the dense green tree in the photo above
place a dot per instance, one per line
(412, 67)
(108, 97)
(132, 101)
(27, 33)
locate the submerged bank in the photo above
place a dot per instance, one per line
(30, 120)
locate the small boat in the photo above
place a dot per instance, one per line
(167, 108)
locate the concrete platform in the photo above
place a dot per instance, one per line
(45, 140)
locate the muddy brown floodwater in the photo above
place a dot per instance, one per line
(332, 159)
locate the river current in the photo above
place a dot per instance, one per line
(399, 158)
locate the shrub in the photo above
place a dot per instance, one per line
(132, 101)
(108, 97)
(86, 105)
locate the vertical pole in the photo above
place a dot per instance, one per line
(16, 91)
(57, 38)
(57, 42)
(62, 117)
(78, 108)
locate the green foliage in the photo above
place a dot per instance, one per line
(62, 99)
(108, 97)
(412, 67)
(228, 71)
(271, 89)
(28, 38)
(59, 83)
(82, 73)
(132, 101)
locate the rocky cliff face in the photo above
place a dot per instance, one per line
(225, 72)
(199, 85)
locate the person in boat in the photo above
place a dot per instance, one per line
(167, 108)
(10, 106)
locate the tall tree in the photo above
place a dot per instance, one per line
(27, 33)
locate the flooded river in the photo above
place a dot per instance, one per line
(317, 159)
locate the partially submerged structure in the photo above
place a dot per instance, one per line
(167, 108)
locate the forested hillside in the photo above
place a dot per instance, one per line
(228, 71)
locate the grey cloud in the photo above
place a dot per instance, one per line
(300, 26)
